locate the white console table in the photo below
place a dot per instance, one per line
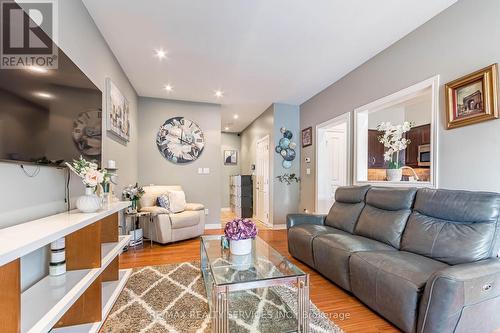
(79, 300)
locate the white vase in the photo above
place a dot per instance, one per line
(394, 175)
(240, 247)
(89, 202)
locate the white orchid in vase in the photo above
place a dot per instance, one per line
(394, 141)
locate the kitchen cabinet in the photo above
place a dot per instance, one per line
(375, 150)
(420, 135)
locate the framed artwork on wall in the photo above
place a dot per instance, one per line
(230, 157)
(473, 98)
(117, 112)
(307, 137)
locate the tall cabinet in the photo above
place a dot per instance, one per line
(241, 195)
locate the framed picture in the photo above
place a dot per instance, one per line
(230, 157)
(307, 135)
(118, 113)
(472, 98)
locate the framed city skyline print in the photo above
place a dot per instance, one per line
(473, 98)
(117, 112)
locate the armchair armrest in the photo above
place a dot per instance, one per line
(155, 210)
(462, 298)
(296, 219)
(194, 206)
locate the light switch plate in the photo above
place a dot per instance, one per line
(206, 211)
(200, 171)
(308, 171)
(206, 171)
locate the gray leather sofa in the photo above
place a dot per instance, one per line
(425, 259)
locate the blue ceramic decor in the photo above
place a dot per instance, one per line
(286, 148)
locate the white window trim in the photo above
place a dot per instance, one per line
(361, 168)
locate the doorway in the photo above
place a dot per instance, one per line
(262, 180)
(332, 160)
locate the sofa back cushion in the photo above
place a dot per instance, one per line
(453, 226)
(152, 192)
(385, 214)
(349, 202)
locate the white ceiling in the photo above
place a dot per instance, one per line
(257, 52)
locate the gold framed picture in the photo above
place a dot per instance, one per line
(473, 98)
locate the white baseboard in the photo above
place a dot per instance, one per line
(279, 227)
(225, 209)
(213, 226)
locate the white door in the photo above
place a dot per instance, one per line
(332, 161)
(262, 180)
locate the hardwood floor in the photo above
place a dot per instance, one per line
(345, 310)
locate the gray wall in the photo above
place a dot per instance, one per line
(30, 198)
(283, 199)
(286, 197)
(229, 141)
(155, 169)
(449, 45)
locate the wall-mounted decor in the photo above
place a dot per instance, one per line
(118, 113)
(230, 157)
(87, 133)
(472, 98)
(286, 148)
(307, 135)
(180, 140)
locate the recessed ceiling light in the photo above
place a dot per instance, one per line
(219, 93)
(235, 116)
(169, 88)
(44, 95)
(37, 69)
(226, 128)
(161, 54)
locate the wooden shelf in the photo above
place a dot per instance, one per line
(47, 301)
(21, 239)
(110, 292)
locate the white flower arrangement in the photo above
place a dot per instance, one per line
(393, 141)
(89, 172)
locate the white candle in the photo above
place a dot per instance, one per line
(111, 164)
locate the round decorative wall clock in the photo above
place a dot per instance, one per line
(180, 140)
(87, 133)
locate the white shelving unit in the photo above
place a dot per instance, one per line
(48, 300)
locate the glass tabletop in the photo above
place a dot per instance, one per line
(263, 263)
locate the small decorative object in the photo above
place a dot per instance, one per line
(224, 243)
(57, 265)
(133, 193)
(286, 148)
(118, 113)
(87, 133)
(394, 142)
(230, 157)
(307, 137)
(91, 178)
(240, 233)
(288, 178)
(111, 165)
(473, 98)
(180, 140)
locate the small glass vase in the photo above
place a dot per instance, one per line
(90, 202)
(133, 206)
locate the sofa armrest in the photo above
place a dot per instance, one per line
(296, 219)
(194, 206)
(462, 298)
(155, 210)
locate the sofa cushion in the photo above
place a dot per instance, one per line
(349, 202)
(177, 200)
(392, 283)
(454, 226)
(152, 192)
(385, 214)
(185, 219)
(332, 253)
(300, 238)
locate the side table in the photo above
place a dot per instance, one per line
(136, 220)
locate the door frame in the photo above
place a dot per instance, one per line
(267, 139)
(343, 118)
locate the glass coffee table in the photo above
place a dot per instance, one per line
(247, 290)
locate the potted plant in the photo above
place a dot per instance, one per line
(394, 142)
(240, 233)
(133, 193)
(91, 178)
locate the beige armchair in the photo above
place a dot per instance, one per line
(171, 227)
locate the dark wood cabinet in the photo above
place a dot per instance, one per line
(420, 135)
(375, 150)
